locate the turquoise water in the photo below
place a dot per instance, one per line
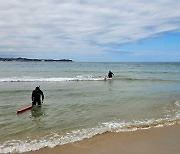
(80, 104)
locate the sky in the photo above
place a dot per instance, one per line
(91, 30)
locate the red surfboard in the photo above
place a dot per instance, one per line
(24, 109)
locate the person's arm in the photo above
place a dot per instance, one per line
(32, 97)
(42, 96)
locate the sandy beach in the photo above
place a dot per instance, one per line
(155, 140)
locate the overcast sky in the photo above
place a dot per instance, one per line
(91, 30)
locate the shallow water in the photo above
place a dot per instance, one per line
(80, 104)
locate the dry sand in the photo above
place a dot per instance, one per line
(163, 140)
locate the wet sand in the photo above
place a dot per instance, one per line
(164, 140)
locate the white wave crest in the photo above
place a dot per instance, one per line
(54, 79)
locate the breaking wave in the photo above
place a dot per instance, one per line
(77, 78)
(52, 79)
(54, 139)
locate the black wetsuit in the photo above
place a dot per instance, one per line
(36, 97)
(110, 74)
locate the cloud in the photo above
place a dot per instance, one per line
(52, 27)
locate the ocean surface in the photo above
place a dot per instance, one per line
(80, 104)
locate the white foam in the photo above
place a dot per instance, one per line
(33, 79)
(177, 103)
(54, 79)
(56, 139)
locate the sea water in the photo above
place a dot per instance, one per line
(80, 104)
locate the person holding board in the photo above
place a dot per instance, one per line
(110, 74)
(37, 96)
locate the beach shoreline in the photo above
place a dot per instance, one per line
(154, 140)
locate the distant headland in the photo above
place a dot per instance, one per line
(20, 59)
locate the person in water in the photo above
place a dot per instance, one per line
(37, 96)
(110, 74)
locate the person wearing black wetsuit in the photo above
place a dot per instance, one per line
(36, 96)
(110, 74)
